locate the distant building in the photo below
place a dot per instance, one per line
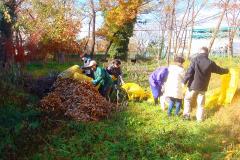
(202, 37)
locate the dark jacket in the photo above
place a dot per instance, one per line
(114, 71)
(199, 72)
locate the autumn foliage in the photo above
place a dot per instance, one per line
(118, 13)
(120, 17)
(50, 28)
(38, 28)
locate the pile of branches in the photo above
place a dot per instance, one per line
(78, 100)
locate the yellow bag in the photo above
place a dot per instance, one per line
(212, 97)
(75, 72)
(81, 77)
(134, 91)
(233, 85)
(223, 95)
(69, 73)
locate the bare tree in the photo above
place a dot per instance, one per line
(233, 21)
(93, 17)
(195, 13)
(224, 6)
(191, 30)
(171, 15)
(182, 18)
(180, 30)
(161, 21)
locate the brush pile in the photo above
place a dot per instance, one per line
(78, 100)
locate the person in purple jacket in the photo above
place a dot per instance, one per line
(156, 80)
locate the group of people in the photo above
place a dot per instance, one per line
(104, 77)
(170, 82)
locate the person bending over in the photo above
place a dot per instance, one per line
(101, 78)
(115, 71)
(156, 80)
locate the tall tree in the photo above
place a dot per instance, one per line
(8, 19)
(233, 21)
(170, 8)
(180, 30)
(93, 18)
(119, 19)
(224, 9)
(191, 30)
(195, 12)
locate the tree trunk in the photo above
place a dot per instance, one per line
(230, 46)
(189, 44)
(161, 48)
(2, 52)
(184, 44)
(93, 28)
(108, 47)
(217, 28)
(61, 57)
(191, 32)
(169, 45)
(7, 40)
(170, 31)
(181, 28)
(89, 34)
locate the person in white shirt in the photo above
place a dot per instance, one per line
(174, 87)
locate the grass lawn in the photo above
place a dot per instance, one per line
(141, 131)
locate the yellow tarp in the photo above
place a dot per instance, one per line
(224, 94)
(135, 92)
(75, 72)
(69, 73)
(81, 77)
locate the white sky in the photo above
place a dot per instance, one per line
(208, 11)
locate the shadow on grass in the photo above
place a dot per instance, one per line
(141, 132)
(16, 124)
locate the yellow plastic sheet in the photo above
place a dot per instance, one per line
(75, 72)
(135, 92)
(225, 93)
(69, 73)
(233, 85)
(81, 77)
(212, 97)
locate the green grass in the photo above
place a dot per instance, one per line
(16, 122)
(142, 131)
(42, 69)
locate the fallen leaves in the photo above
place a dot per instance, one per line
(79, 100)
